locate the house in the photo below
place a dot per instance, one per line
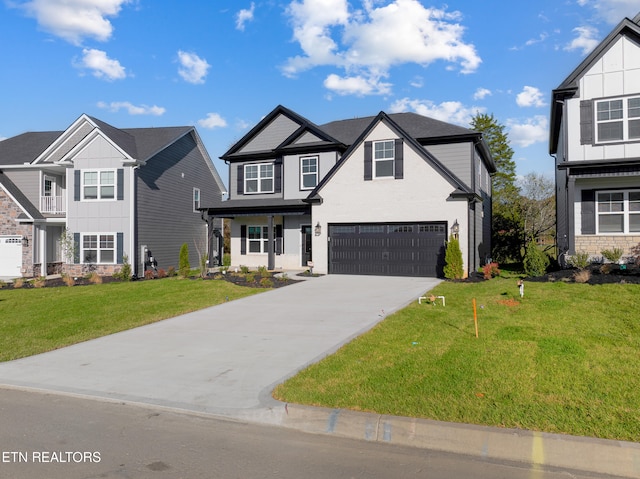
(595, 138)
(377, 195)
(86, 198)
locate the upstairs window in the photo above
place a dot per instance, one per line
(196, 199)
(308, 172)
(384, 158)
(258, 178)
(618, 119)
(99, 185)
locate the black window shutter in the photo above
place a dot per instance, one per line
(277, 176)
(586, 122)
(279, 239)
(120, 184)
(588, 217)
(243, 239)
(368, 161)
(119, 248)
(399, 160)
(76, 185)
(76, 247)
(240, 181)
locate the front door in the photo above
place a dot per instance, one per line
(306, 244)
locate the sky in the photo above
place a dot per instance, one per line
(222, 65)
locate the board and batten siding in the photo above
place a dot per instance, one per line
(291, 175)
(272, 135)
(164, 189)
(456, 157)
(28, 182)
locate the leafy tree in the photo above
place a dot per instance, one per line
(183, 266)
(537, 206)
(506, 237)
(453, 268)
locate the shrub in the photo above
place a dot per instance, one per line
(171, 272)
(250, 277)
(613, 255)
(453, 268)
(40, 282)
(95, 278)
(183, 266)
(606, 268)
(580, 260)
(226, 260)
(490, 270)
(2, 284)
(283, 277)
(18, 283)
(125, 272)
(263, 272)
(68, 280)
(535, 261)
(149, 274)
(266, 283)
(162, 273)
(582, 276)
(244, 269)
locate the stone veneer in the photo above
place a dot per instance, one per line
(594, 244)
(9, 213)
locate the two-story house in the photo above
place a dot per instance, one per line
(376, 195)
(85, 198)
(595, 138)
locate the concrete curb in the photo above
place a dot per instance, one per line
(542, 450)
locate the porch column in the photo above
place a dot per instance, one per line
(271, 245)
(42, 249)
(571, 221)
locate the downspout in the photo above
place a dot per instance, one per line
(134, 260)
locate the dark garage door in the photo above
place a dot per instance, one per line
(389, 249)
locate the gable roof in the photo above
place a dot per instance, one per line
(569, 87)
(30, 212)
(460, 189)
(25, 148)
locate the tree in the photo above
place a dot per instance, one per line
(453, 268)
(535, 261)
(537, 206)
(506, 221)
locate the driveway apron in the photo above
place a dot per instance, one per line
(225, 359)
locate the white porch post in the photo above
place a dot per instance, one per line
(42, 249)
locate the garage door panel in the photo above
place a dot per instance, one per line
(407, 249)
(10, 256)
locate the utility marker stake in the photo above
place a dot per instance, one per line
(475, 316)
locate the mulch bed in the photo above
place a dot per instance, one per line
(600, 274)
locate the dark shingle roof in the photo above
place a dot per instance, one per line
(26, 147)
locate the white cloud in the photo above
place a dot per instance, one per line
(612, 11)
(481, 94)
(530, 96)
(213, 120)
(586, 40)
(356, 85)
(449, 111)
(101, 65)
(244, 16)
(73, 20)
(193, 68)
(533, 130)
(367, 43)
(116, 106)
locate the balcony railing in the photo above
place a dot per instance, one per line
(52, 204)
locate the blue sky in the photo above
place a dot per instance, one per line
(222, 65)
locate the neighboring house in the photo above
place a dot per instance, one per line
(595, 137)
(377, 195)
(82, 199)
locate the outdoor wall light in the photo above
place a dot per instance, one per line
(318, 229)
(25, 241)
(455, 229)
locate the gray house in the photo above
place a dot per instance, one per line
(376, 195)
(82, 199)
(595, 138)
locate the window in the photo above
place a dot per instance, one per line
(99, 185)
(196, 199)
(384, 158)
(618, 212)
(258, 178)
(98, 248)
(618, 119)
(308, 172)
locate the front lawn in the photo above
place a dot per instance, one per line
(563, 359)
(36, 320)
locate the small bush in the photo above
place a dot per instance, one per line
(125, 272)
(162, 273)
(453, 268)
(244, 269)
(263, 272)
(171, 272)
(535, 261)
(226, 260)
(149, 274)
(68, 280)
(490, 270)
(40, 282)
(582, 276)
(183, 266)
(580, 260)
(18, 283)
(266, 283)
(613, 255)
(2, 284)
(250, 277)
(95, 278)
(283, 277)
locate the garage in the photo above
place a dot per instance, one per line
(10, 256)
(388, 249)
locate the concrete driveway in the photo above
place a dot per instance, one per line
(225, 359)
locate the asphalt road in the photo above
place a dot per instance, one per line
(51, 436)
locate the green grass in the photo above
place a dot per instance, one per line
(36, 320)
(564, 359)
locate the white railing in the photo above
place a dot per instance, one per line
(52, 204)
